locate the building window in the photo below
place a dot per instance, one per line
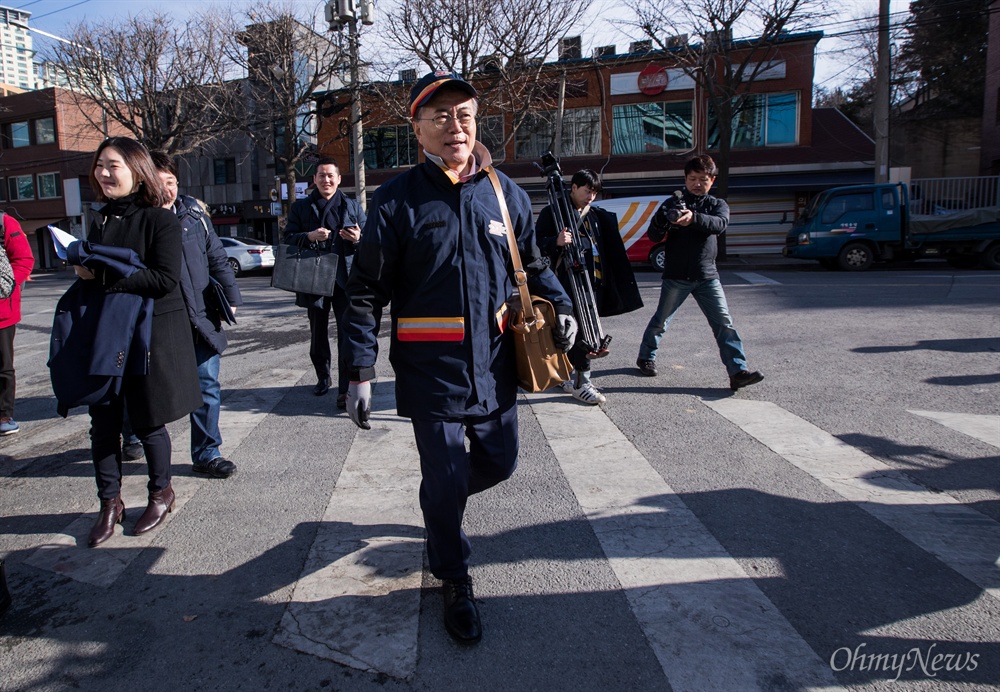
(581, 133)
(489, 131)
(766, 120)
(17, 134)
(225, 171)
(3, 190)
(21, 187)
(45, 131)
(48, 186)
(643, 128)
(390, 147)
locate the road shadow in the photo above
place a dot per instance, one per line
(836, 574)
(976, 345)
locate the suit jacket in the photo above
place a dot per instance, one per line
(98, 337)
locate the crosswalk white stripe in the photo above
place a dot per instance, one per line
(66, 552)
(702, 614)
(757, 279)
(962, 538)
(358, 601)
(982, 426)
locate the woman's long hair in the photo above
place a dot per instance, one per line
(149, 190)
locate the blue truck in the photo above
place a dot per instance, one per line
(852, 227)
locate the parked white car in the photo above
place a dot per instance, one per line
(247, 254)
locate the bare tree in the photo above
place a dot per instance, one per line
(288, 67)
(722, 65)
(503, 47)
(155, 77)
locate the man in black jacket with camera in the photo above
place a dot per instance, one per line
(692, 221)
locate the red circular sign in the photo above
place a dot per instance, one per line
(652, 80)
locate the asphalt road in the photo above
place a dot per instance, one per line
(835, 526)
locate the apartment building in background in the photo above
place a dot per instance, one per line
(17, 68)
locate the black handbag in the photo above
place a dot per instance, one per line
(304, 270)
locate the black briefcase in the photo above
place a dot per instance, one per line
(304, 270)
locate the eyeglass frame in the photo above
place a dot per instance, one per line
(442, 121)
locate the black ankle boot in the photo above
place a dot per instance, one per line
(112, 512)
(160, 502)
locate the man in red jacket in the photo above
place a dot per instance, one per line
(15, 243)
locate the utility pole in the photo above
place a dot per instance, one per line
(557, 145)
(881, 106)
(341, 13)
(357, 137)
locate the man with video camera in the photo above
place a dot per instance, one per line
(691, 221)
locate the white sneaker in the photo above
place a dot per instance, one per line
(588, 394)
(567, 386)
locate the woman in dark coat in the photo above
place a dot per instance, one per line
(123, 175)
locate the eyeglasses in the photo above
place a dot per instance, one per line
(444, 120)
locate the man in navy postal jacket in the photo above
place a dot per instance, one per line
(435, 247)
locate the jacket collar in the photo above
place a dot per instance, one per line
(123, 206)
(481, 160)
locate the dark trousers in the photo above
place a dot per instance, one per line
(7, 383)
(450, 475)
(319, 339)
(578, 356)
(106, 449)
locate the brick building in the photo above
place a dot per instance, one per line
(46, 146)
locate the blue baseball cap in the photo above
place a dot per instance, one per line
(424, 90)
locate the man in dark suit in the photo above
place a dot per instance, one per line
(329, 221)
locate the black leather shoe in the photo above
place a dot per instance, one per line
(216, 468)
(322, 387)
(744, 379)
(132, 452)
(461, 616)
(342, 402)
(646, 367)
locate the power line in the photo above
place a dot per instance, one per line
(61, 9)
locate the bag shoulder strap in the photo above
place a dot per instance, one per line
(520, 276)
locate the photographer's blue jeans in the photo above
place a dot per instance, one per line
(712, 301)
(205, 436)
